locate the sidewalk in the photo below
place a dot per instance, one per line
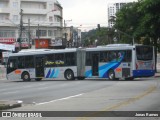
(6, 104)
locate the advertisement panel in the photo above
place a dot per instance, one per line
(42, 43)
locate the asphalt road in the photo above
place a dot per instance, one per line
(45, 91)
(84, 95)
(38, 92)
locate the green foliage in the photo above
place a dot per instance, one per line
(103, 37)
(140, 19)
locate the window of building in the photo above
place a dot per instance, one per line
(15, 18)
(50, 19)
(41, 33)
(50, 32)
(7, 33)
(15, 4)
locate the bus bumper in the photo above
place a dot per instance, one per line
(143, 73)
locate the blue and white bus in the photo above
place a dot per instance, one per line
(47, 64)
(120, 61)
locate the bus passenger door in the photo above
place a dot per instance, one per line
(39, 62)
(95, 59)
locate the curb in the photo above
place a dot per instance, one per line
(4, 105)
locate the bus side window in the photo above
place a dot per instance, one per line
(13, 64)
(21, 62)
(103, 56)
(112, 56)
(127, 56)
(70, 59)
(59, 59)
(29, 62)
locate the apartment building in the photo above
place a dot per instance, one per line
(112, 10)
(30, 19)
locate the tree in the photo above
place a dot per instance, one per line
(127, 20)
(151, 20)
(141, 20)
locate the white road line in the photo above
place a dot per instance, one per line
(11, 92)
(59, 99)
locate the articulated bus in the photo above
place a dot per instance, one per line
(48, 64)
(120, 61)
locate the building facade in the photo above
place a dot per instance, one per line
(112, 10)
(30, 20)
(72, 36)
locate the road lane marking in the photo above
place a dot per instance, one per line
(11, 92)
(121, 104)
(60, 99)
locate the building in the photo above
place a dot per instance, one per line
(30, 20)
(72, 36)
(112, 10)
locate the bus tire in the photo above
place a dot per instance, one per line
(69, 75)
(111, 75)
(26, 76)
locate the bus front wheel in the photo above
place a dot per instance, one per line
(69, 75)
(26, 76)
(111, 75)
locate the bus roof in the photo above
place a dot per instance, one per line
(43, 51)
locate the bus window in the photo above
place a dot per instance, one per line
(59, 59)
(12, 65)
(112, 56)
(103, 56)
(144, 53)
(70, 59)
(50, 60)
(29, 62)
(88, 58)
(127, 56)
(21, 62)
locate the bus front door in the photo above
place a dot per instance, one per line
(95, 59)
(39, 61)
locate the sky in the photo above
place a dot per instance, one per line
(86, 14)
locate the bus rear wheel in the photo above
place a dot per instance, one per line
(26, 76)
(69, 75)
(111, 75)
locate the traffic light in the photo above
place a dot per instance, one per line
(99, 27)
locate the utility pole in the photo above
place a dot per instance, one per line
(21, 29)
(38, 37)
(29, 35)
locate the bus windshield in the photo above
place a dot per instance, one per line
(144, 52)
